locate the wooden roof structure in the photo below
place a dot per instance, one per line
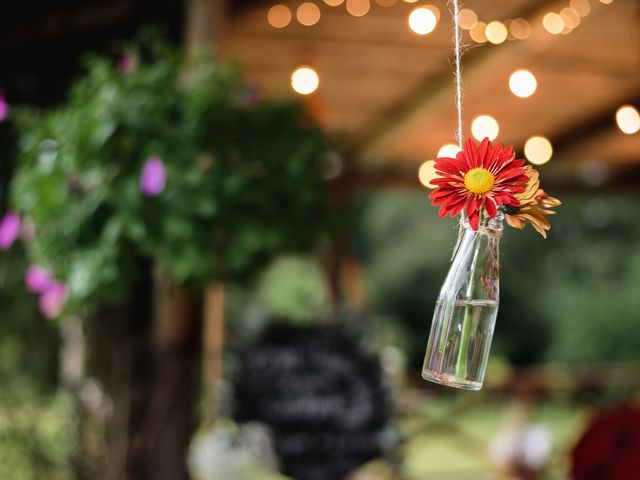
(390, 91)
(387, 92)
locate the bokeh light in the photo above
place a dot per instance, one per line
(449, 150)
(520, 28)
(308, 14)
(422, 21)
(305, 80)
(538, 150)
(485, 126)
(279, 16)
(581, 6)
(496, 32)
(358, 8)
(523, 83)
(467, 19)
(427, 172)
(570, 17)
(333, 3)
(477, 32)
(386, 3)
(628, 119)
(553, 23)
(434, 10)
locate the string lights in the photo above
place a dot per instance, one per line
(485, 126)
(423, 20)
(496, 32)
(449, 150)
(523, 83)
(553, 23)
(628, 119)
(427, 172)
(519, 28)
(279, 16)
(358, 8)
(308, 14)
(538, 150)
(305, 80)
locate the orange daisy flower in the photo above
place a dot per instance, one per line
(480, 177)
(534, 204)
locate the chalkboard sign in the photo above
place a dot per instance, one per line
(320, 394)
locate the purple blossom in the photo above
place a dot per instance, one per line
(153, 178)
(37, 279)
(128, 62)
(52, 300)
(9, 230)
(4, 107)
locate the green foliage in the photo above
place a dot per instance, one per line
(293, 288)
(592, 273)
(36, 437)
(245, 177)
(27, 345)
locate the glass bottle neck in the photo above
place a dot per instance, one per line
(474, 272)
(488, 226)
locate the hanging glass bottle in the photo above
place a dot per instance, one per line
(465, 313)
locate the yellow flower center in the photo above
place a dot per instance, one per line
(478, 180)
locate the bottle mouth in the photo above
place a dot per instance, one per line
(487, 225)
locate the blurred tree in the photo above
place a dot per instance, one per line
(35, 423)
(160, 175)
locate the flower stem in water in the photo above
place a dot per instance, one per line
(461, 364)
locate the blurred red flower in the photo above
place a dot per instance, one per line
(610, 447)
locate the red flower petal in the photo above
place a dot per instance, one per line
(490, 206)
(457, 208)
(473, 220)
(483, 149)
(471, 154)
(447, 165)
(472, 204)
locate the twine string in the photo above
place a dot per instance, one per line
(457, 34)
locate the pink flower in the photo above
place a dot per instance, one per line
(153, 179)
(4, 107)
(52, 300)
(127, 63)
(9, 230)
(37, 279)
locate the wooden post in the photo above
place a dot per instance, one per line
(213, 347)
(206, 24)
(166, 425)
(353, 283)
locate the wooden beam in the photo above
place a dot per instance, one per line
(596, 124)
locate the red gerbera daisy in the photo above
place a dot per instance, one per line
(484, 176)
